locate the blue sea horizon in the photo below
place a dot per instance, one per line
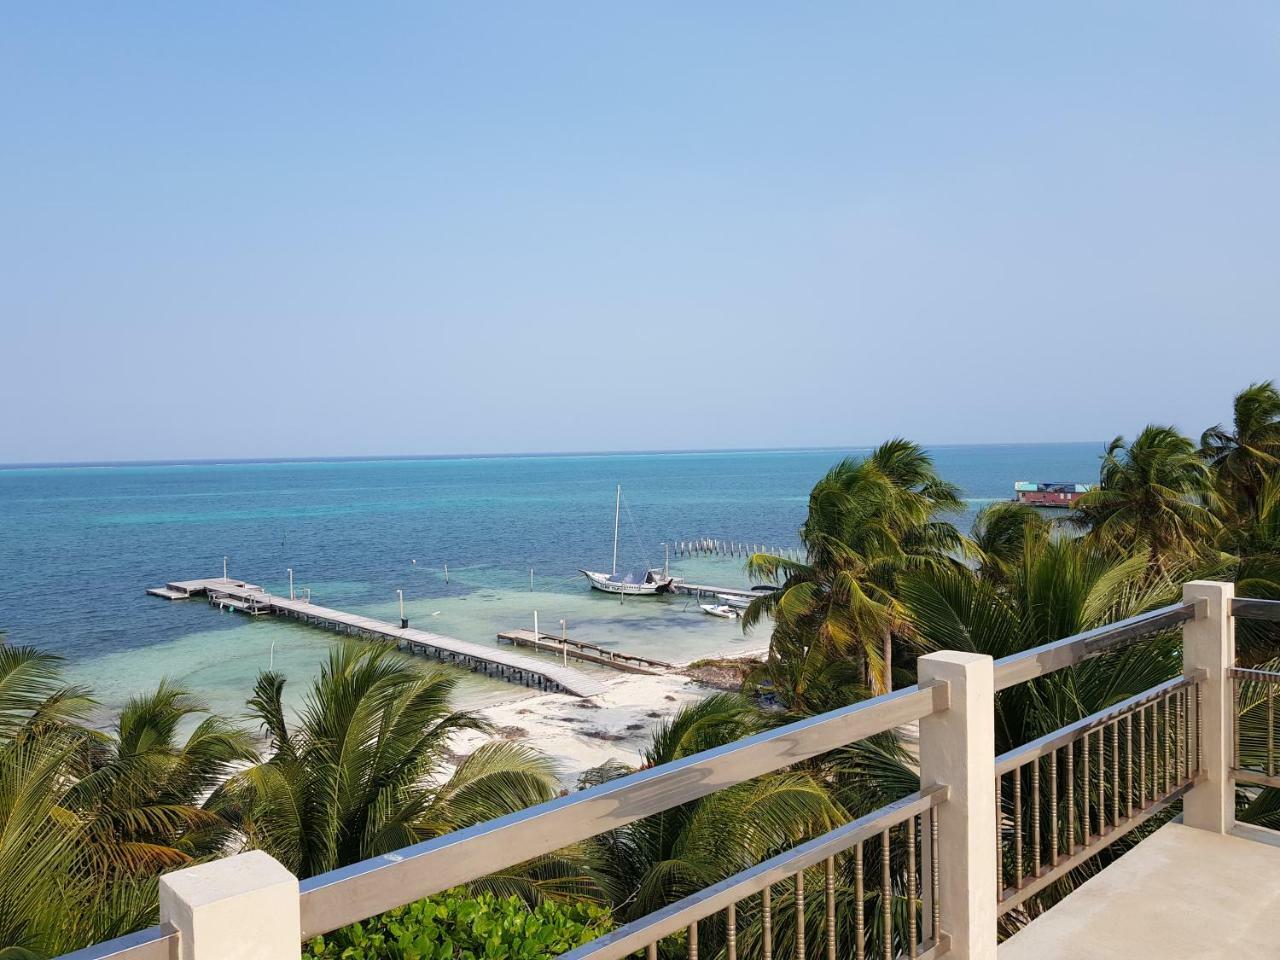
(81, 543)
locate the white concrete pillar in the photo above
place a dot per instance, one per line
(239, 908)
(957, 749)
(1209, 644)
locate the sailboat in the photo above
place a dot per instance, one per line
(650, 583)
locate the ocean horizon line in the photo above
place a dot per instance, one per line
(514, 455)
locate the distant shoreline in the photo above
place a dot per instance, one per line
(563, 454)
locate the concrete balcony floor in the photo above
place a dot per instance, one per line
(1181, 893)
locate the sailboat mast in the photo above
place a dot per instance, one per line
(617, 511)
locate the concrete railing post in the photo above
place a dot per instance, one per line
(240, 908)
(1209, 645)
(957, 749)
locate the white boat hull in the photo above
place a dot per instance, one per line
(719, 610)
(649, 588)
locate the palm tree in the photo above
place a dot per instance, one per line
(660, 859)
(1245, 456)
(1155, 492)
(1056, 589)
(1000, 535)
(868, 522)
(141, 791)
(364, 770)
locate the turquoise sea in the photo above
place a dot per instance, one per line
(80, 544)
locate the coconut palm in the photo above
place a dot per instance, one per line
(141, 789)
(1000, 535)
(868, 521)
(1246, 455)
(51, 899)
(364, 769)
(1058, 588)
(1154, 494)
(660, 859)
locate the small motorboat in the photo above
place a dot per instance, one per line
(733, 600)
(724, 611)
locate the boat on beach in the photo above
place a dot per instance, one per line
(646, 584)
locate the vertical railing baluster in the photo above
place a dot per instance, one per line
(1200, 727)
(1115, 773)
(651, 952)
(1086, 823)
(831, 908)
(1168, 765)
(1102, 780)
(936, 922)
(911, 893)
(1017, 828)
(1271, 729)
(886, 899)
(860, 905)
(731, 939)
(1128, 766)
(1035, 816)
(1071, 798)
(1183, 753)
(1142, 757)
(1053, 808)
(766, 923)
(1235, 699)
(1000, 886)
(799, 904)
(693, 941)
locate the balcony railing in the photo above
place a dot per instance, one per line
(925, 876)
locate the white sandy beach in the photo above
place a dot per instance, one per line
(580, 734)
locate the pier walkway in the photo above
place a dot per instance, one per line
(580, 650)
(702, 589)
(491, 661)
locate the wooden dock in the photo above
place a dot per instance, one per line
(704, 590)
(491, 661)
(589, 652)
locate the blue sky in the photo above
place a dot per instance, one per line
(288, 229)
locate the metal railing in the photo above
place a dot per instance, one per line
(1063, 798)
(1060, 800)
(905, 830)
(1255, 755)
(343, 896)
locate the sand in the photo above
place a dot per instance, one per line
(579, 734)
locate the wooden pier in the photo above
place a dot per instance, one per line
(491, 661)
(702, 589)
(589, 652)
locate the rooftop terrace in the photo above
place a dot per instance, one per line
(981, 850)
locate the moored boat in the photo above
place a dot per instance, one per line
(650, 583)
(722, 610)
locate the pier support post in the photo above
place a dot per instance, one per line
(238, 908)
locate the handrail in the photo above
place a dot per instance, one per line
(153, 943)
(363, 889)
(1253, 609)
(638, 934)
(1012, 759)
(1040, 661)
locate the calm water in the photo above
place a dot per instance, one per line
(79, 545)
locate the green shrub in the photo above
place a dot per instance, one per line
(457, 926)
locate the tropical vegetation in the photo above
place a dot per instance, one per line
(363, 765)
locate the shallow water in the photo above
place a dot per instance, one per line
(79, 545)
